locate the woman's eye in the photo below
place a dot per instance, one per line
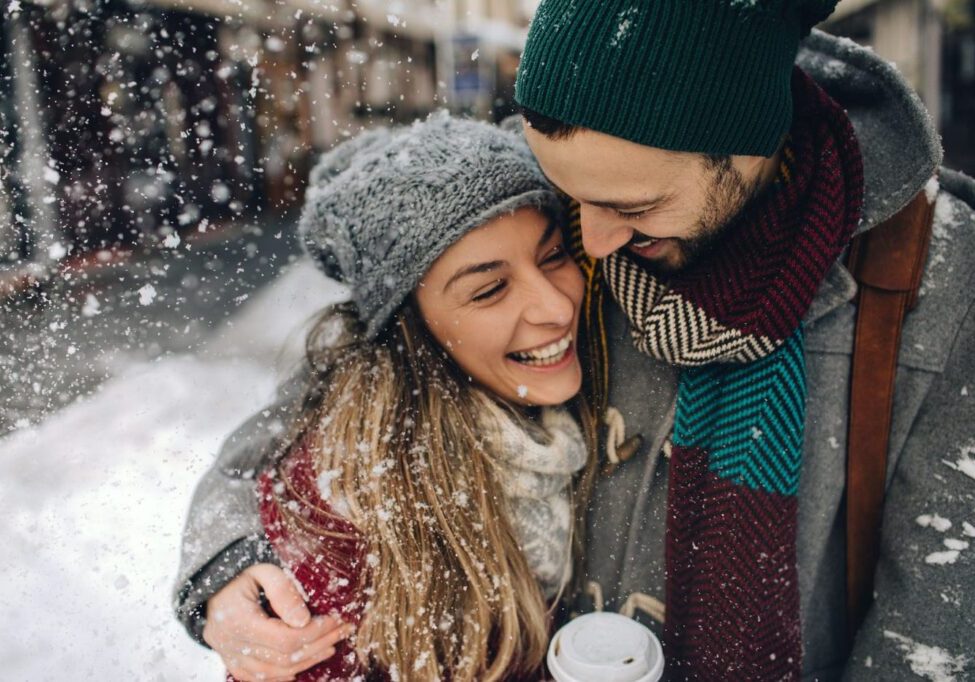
(555, 255)
(490, 293)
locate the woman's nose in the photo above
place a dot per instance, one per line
(599, 236)
(548, 305)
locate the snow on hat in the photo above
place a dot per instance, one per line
(382, 207)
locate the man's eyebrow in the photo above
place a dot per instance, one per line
(474, 269)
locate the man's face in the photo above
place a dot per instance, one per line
(666, 207)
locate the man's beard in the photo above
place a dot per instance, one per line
(727, 197)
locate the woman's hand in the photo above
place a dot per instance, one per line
(255, 646)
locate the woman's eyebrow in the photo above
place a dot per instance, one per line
(475, 269)
(549, 231)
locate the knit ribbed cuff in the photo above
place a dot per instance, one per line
(196, 592)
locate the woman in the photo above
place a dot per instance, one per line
(425, 498)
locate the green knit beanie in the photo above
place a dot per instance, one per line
(709, 76)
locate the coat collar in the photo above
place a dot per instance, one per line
(837, 288)
(900, 147)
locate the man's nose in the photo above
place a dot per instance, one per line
(600, 237)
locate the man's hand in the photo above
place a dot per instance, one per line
(255, 646)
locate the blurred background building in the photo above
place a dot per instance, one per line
(153, 154)
(932, 43)
(123, 122)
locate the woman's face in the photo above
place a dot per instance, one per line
(504, 302)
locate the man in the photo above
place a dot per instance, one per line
(720, 189)
(720, 200)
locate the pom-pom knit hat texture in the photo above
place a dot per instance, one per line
(707, 76)
(382, 207)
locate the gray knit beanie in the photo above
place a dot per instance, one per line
(382, 207)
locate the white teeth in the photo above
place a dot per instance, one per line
(547, 355)
(648, 242)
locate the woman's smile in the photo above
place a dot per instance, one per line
(548, 357)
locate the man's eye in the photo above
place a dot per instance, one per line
(631, 214)
(490, 293)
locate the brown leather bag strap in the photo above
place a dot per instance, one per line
(887, 262)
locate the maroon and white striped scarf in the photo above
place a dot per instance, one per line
(733, 323)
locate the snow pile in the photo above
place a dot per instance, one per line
(965, 463)
(930, 662)
(949, 556)
(946, 220)
(955, 546)
(94, 500)
(933, 521)
(625, 23)
(272, 328)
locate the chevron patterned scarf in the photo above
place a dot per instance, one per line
(733, 321)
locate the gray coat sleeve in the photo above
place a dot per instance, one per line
(923, 617)
(223, 533)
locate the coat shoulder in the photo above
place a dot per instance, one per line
(959, 185)
(948, 286)
(947, 292)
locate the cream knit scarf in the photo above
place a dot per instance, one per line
(534, 471)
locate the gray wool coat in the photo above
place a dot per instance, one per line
(923, 618)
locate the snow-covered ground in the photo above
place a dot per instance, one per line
(94, 498)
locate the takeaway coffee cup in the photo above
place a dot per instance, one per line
(605, 647)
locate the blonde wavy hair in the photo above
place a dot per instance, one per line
(398, 426)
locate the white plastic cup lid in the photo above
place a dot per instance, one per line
(605, 647)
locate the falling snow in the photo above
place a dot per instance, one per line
(147, 294)
(325, 482)
(57, 251)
